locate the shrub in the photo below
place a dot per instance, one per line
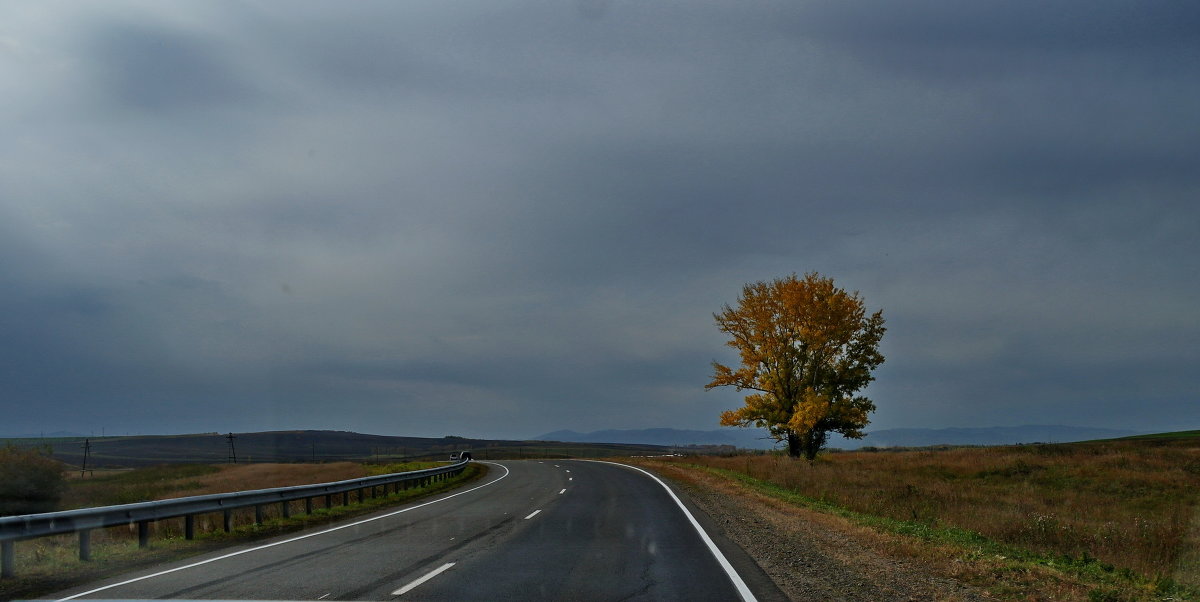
(30, 481)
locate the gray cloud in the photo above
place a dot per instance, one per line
(504, 219)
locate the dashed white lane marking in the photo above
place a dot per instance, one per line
(568, 471)
(532, 515)
(427, 577)
(562, 492)
(325, 596)
(279, 543)
(570, 478)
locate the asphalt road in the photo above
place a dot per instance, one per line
(530, 530)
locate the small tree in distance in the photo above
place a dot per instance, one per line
(806, 348)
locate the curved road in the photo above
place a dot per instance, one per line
(530, 530)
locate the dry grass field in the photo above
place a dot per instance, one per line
(110, 487)
(1125, 506)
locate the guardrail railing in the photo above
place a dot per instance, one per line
(82, 521)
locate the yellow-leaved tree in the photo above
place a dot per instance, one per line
(806, 348)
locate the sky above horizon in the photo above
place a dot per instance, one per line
(499, 219)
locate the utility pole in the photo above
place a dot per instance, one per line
(87, 453)
(232, 449)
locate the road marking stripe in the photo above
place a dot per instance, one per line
(325, 596)
(427, 577)
(742, 588)
(532, 515)
(279, 543)
(562, 492)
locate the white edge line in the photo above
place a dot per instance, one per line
(742, 588)
(427, 577)
(532, 515)
(279, 543)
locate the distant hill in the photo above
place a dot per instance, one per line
(741, 438)
(54, 435)
(304, 446)
(757, 438)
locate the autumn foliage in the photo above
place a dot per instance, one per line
(806, 348)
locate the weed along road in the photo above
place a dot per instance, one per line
(530, 530)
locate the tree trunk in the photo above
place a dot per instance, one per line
(812, 442)
(794, 449)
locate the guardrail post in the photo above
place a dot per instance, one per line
(143, 533)
(85, 545)
(328, 502)
(285, 507)
(308, 505)
(258, 514)
(189, 526)
(7, 559)
(228, 520)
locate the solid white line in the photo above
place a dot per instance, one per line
(562, 492)
(742, 588)
(532, 515)
(427, 577)
(279, 543)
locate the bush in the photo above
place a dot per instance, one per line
(30, 481)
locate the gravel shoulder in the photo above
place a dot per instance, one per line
(813, 556)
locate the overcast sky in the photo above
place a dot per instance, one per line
(499, 219)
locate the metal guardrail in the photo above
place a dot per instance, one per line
(82, 521)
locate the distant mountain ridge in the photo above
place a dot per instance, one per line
(904, 437)
(745, 438)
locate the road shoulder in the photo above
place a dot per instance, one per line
(805, 555)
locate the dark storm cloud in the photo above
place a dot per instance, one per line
(505, 219)
(148, 69)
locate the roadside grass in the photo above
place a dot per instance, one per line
(128, 486)
(1119, 515)
(49, 564)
